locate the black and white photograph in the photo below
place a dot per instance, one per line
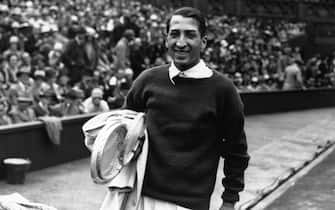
(167, 104)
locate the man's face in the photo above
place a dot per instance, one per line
(184, 42)
(96, 101)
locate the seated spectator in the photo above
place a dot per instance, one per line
(54, 56)
(13, 47)
(3, 86)
(72, 104)
(95, 103)
(51, 80)
(42, 107)
(63, 85)
(23, 112)
(24, 83)
(5, 119)
(11, 67)
(39, 85)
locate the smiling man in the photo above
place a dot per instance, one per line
(194, 115)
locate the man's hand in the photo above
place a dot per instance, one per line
(227, 206)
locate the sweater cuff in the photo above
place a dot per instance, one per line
(229, 196)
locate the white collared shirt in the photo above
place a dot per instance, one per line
(198, 71)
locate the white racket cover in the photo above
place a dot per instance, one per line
(92, 127)
(117, 140)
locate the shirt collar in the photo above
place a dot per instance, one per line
(198, 71)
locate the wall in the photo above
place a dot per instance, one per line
(30, 140)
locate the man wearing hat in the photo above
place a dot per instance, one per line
(95, 103)
(39, 85)
(45, 100)
(74, 56)
(14, 44)
(24, 82)
(72, 104)
(23, 111)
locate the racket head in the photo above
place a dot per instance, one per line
(108, 153)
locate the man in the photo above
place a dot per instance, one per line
(194, 115)
(23, 111)
(95, 103)
(5, 119)
(74, 56)
(121, 50)
(292, 76)
(72, 104)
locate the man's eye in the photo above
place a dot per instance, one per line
(174, 34)
(191, 35)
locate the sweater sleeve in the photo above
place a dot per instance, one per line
(234, 145)
(135, 97)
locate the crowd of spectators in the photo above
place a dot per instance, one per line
(71, 57)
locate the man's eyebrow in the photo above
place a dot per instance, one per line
(185, 30)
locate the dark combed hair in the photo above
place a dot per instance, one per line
(189, 12)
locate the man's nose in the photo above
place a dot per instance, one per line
(181, 42)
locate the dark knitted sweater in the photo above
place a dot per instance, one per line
(190, 124)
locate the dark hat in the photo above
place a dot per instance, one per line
(50, 72)
(75, 94)
(129, 34)
(78, 30)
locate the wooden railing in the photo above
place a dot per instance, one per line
(30, 140)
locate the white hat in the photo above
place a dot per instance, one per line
(39, 73)
(15, 25)
(45, 28)
(58, 46)
(4, 8)
(29, 4)
(224, 43)
(91, 32)
(13, 39)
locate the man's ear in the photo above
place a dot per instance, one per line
(166, 43)
(166, 39)
(203, 42)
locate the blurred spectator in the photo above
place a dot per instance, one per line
(95, 102)
(74, 56)
(72, 104)
(54, 56)
(23, 111)
(45, 100)
(11, 67)
(136, 57)
(122, 50)
(3, 86)
(91, 49)
(63, 85)
(293, 76)
(5, 119)
(39, 85)
(51, 81)
(120, 93)
(24, 83)
(13, 48)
